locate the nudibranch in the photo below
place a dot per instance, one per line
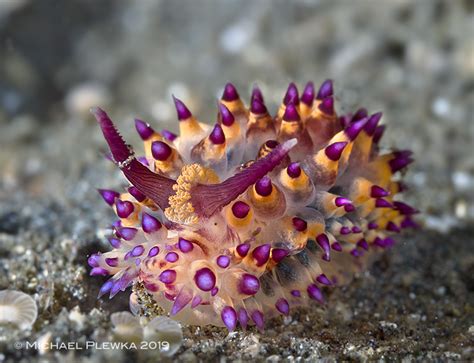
(237, 222)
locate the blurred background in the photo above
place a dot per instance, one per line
(413, 60)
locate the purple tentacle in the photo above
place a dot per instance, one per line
(208, 199)
(156, 187)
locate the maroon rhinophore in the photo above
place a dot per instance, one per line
(207, 199)
(155, 186)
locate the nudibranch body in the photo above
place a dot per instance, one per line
(234, 223)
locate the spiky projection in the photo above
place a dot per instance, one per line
(234, 223)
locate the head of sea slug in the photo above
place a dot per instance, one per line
(233, 223)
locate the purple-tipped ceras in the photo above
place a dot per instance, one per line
(233, 223)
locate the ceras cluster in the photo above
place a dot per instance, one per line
(242, 220)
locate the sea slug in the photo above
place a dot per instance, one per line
(233, 223)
